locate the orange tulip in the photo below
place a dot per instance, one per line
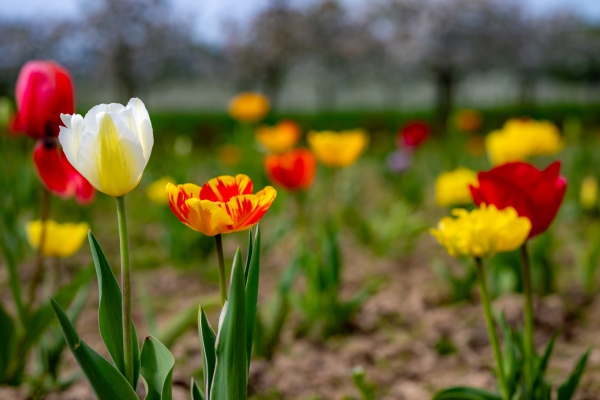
(280, 137)
(223, 205)
(249, 107)
(293, 170)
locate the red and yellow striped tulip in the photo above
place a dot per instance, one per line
(293, 170)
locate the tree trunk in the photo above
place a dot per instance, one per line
(445, 84)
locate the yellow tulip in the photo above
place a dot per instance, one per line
(279, 138)
(249, 107)
(452, 188)
(61, 240)
(156, 191)
(588, 194)
(482, 232)
(337, 149)
(522, 138)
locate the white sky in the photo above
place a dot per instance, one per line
(210, 15)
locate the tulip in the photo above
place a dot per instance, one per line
(413, 134)
(293, 170)
(279, 138)
(335, 149)
(44, 90)
(111, 146)
(61, 240)
(522, 138)
(452, 188)
(156, 191)
(482, 232)
(223, 205)
(58, 175)
(468, 120)
(249, 107)
(588, 194)
(535, 194)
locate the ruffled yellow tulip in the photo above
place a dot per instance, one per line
(111, 146)
(156, 191)
(249, 107)
(452, 188)
(279, 138)
(482, 232)
(522, 138)
(337, 149)
(61, 240)
(588, 194)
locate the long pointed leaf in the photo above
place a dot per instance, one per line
(465, 393)
(252, 275)
(567, 389)
(207, 341)
(249, 254)
(543, 362)
(157, 364)
(195, 392)
(7, 340)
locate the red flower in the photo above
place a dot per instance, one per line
(414, 133)
(44, 91)
(58, 175)
(292, 170)
(534, 194)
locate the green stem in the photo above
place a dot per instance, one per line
(126, 287)
(528, 316)
(221, 261)
(39, 257)
(491, 327)
(15, 286)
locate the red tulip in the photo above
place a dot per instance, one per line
(58, 175)
(534, 194)
(414, 133)
(293, 170)
(44, 91)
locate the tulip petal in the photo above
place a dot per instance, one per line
(178, 195)
(137, 119)
(207, 217)
(49, 167)
(223, 188)
(247, 210)
(71, 134)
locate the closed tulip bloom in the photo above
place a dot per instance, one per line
(293, 170)
(520, 139)
(482, 232)
(534, 194)
(156, 191)
(588, 193)
(452, 188)
(249, 107)
(279, 138)
(337, 149)
(44, 91)
(111, 146)
(223, 205)
(413, 134)
(61, 240)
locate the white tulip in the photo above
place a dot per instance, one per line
(111, 146)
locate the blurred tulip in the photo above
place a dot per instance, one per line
(230, 155)
(62, 240)
(44, 91)
(293, 170)
(468, 120)
(335, 149)
(399, 160)
(413, 134)
(111, 146)
(249, 107)
(223, 205)
(452, 188)
(156, 191)
(58, 175)
(535, 194)
(482, 232)
(588, 194)
(280, 137)
(522, 138)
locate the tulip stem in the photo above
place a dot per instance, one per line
(491, 327)
(126, 287)
(39, 256)
(221, 261)
(527, 315)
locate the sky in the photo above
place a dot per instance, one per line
(209, 16)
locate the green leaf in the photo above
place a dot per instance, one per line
(567, 389)
(107, 382)
(465, 393)
(7, 340)
(195, 392)
(110, 312)
(252, 275)
(543, 362)
(231, 372)
(249, 254)
(207, 341)
(157, 364)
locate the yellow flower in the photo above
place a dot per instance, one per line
(468, 120)
(279, 138)
(588, 193)
(156, 191)
(335, 149)
(522, 138)
(452, 188)
(249, 107)
(61, 240)
(482, 232)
